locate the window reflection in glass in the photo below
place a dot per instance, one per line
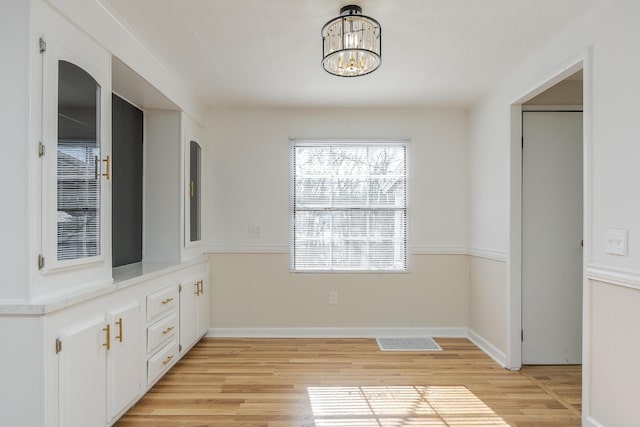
(78, 183)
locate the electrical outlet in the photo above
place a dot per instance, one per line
(333, 297)
(253, 231)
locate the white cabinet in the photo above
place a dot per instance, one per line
(82, 380)
(161, 361)
(72, 165)
(162, 328)
(99, 367)
(124, 382)
(194, 311)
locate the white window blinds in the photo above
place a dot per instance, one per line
(349, 206)
(78, 200)
(78, 183)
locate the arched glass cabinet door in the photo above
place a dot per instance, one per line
(78, 164)
(195, 160)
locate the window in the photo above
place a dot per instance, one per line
(349, 206)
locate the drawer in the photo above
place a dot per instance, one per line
(161, 301)
(161, 361)
(161, 331)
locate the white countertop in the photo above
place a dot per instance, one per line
(123, 277)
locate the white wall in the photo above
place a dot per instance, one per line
(14, 122)
(611, 182)
(248, 167)
(488, 302)
(162, 185)
(248, 176)
(256, 291)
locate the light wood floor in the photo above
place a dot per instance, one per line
(350, 383)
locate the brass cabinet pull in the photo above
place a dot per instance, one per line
(107, 329)
(201, 284)
(192, 189)
(167, 301)
(107, 175)
(119, 323)
(166, 331)
(167, 360)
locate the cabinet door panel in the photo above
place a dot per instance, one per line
(124, 358)
(203, 309)
(188, 313)
(75, 168)
(82, 379)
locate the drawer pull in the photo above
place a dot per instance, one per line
(166, 361)
(166, 331)
(167, 301)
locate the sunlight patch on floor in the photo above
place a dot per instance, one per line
(399, 406)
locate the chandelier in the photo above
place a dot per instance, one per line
(351, 43)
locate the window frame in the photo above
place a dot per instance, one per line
(293, 143)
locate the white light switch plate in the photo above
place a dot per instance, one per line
(615, 242)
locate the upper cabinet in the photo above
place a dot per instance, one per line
(72, 167)
(97, 202)
(194, 187)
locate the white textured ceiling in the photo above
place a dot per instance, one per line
(268, 52)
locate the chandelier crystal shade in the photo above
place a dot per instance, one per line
(351, 43)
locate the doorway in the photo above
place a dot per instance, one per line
(552, 225)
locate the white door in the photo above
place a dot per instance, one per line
(552, 212)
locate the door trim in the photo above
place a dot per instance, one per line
(582, 61)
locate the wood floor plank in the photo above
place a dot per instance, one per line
(226, 382)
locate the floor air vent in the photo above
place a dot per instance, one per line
(408, 344)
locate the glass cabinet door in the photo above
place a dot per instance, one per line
(78, 164)
(75, 167)
(195, 153)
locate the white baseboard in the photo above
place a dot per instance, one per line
(590, 422)
(337, 332)
(492, 351)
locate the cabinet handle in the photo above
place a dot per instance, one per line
(119, 323)
(107, 160)
(201, 284)
(192, 189)
(197, 285)
(167, 301)
(166, 331)
(108, 331)
(167, 360)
